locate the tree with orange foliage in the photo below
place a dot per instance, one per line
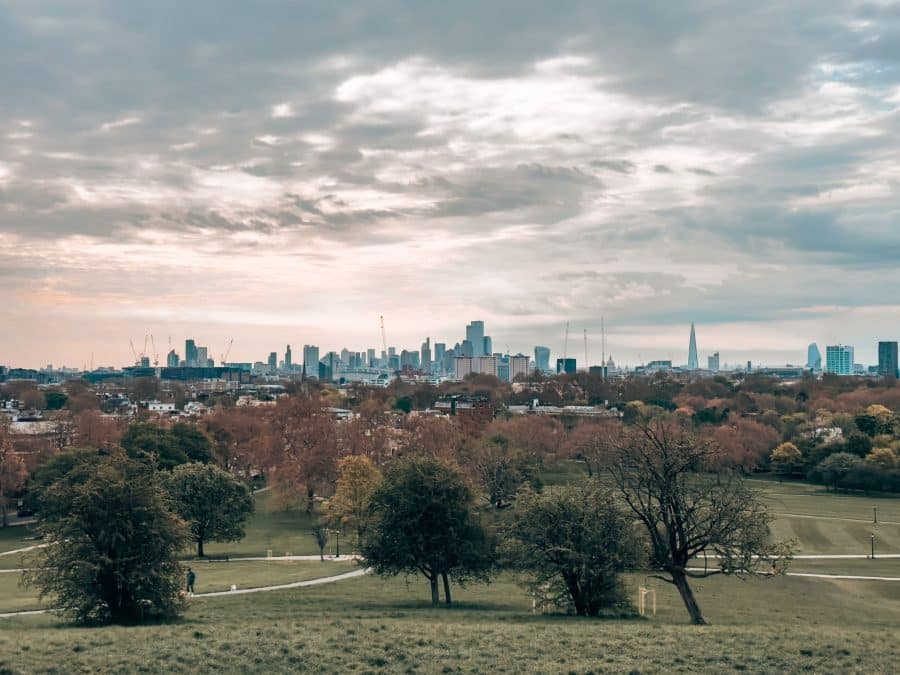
(13, 472)
(304, 449)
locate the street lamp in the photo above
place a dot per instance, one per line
(875, 514)
(338, 546)
(873, 547)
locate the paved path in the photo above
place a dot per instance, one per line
(848, 520)
(241, 591)
(25, 550)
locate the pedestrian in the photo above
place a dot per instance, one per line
(191, 578)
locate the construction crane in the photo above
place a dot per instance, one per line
(137, 361)
(224, 355)
(383, 338)
(155, 353)
(585, 350)
(566, 344)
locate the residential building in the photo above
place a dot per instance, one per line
(839, 359)
(518, 366)
(712, 362)
(486, 365)
(462, 366)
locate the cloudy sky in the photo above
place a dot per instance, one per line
(285, 172)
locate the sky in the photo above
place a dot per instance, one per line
(286, 172)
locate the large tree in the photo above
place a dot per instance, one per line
(662, 471)
(357, 480)
(114, 544)
(12, 474)
(214, 503)
(422, 522)
(573, 543)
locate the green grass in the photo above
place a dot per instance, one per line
(786, 624)
(372, 625)
(15, 537)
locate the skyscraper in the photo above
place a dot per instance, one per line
(426, 355)
(887, 359)
(565, 366)
(440, 348)
(839, 359)
(311, 360)
(202, 357)
(475, 335)
(693, 358)
(813, 357)
(172, 359)
(190, 353)
(488, 345)
(713, 362)
(287, 358)
(542, 359)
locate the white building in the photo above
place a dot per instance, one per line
(518, 365)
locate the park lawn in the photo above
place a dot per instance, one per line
(272, 527)
(211, 577)
(371, 624)
(16, 537)
(815, 500)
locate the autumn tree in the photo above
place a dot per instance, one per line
(304, 447)
(787, 459)
(884, 459)
(13, 474)
(421, 521)
(357, 481)
(661, 470)
(115, 547)
(241, 440)
(495, 467)
(573, 543)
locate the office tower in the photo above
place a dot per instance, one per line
(145, 362)
(813, 357)
(475, 337)
(839, 359)
(311, 360)
(488, 346)
(712, 362)
(370, 358)
(440, 348)
(518, 366)
(426, 355)
(887, 359)
(565, 366)
(542, 359)
(273, 362)
(466, 348)
(202, 357)
(287, 358)
(172, 359)
(190, 353)
(693, 359)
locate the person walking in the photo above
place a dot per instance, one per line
(191, 578)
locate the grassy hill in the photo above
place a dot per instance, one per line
(368, 624)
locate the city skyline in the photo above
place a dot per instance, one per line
(282, 175)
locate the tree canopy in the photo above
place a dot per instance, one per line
(214, 503)
(114, 544)
(422, 522)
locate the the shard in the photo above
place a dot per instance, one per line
(693, 359)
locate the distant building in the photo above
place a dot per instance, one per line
(486, 365)
(542, 359)
(311, 361)
(712, 362)
(190, 353)
(693, 358)
(462, 366)
(887, 359)
(172, 359)
(813, 357)
(839, 359)
(565, 366)
(518, 366)
(475, 336)
(487, 345)
(203, 357)
(288, 359)
(426, 355)
(440, 348)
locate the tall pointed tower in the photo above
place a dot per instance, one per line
(693, 359)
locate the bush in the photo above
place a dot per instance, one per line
(832, 470)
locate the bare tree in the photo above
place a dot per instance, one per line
(662, 472)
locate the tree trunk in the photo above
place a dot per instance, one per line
(446, 588)
(200, 548)
(687, 596)
(3, 509)
(435, 596)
